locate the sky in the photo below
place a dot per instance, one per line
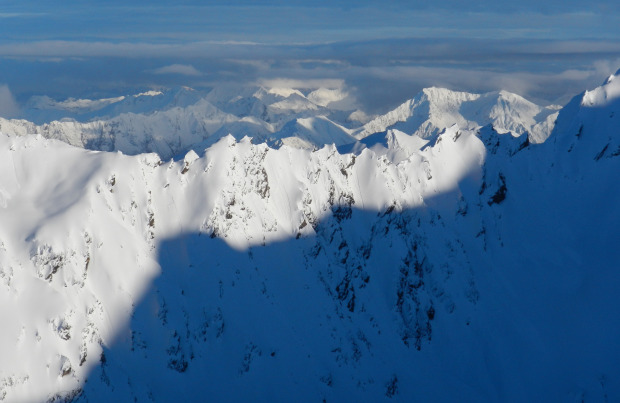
(382, 52)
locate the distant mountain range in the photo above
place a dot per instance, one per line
(172, 122)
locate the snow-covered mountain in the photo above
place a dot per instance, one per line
(166, 132)
(43, 109)
(172, 122)
(463, 264)
(313, 132)
(437, 108)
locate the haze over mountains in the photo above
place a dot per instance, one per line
(171, 122)
(461, 246)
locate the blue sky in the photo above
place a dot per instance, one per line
(384, 52)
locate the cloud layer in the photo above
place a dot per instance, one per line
(382, 53)
(380, 74)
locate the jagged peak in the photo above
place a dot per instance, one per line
(434, 109)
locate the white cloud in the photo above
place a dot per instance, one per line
(606, 67)
(183, 69)
(378, 75)
(8, 105)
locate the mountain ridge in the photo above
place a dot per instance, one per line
(172, 122)
(245, 270)
(435, 109)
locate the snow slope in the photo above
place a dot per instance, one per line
(312, 133)
(589, 123)
(473, 266)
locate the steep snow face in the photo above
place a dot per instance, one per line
(545, 122)
(246, 272)
(81, 231)
(66, 260)
(250, 272)
(436, 109)
(604, 94)
(588, 126)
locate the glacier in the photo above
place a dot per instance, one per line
(462, 246)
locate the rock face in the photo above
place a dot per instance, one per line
(470, 265)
